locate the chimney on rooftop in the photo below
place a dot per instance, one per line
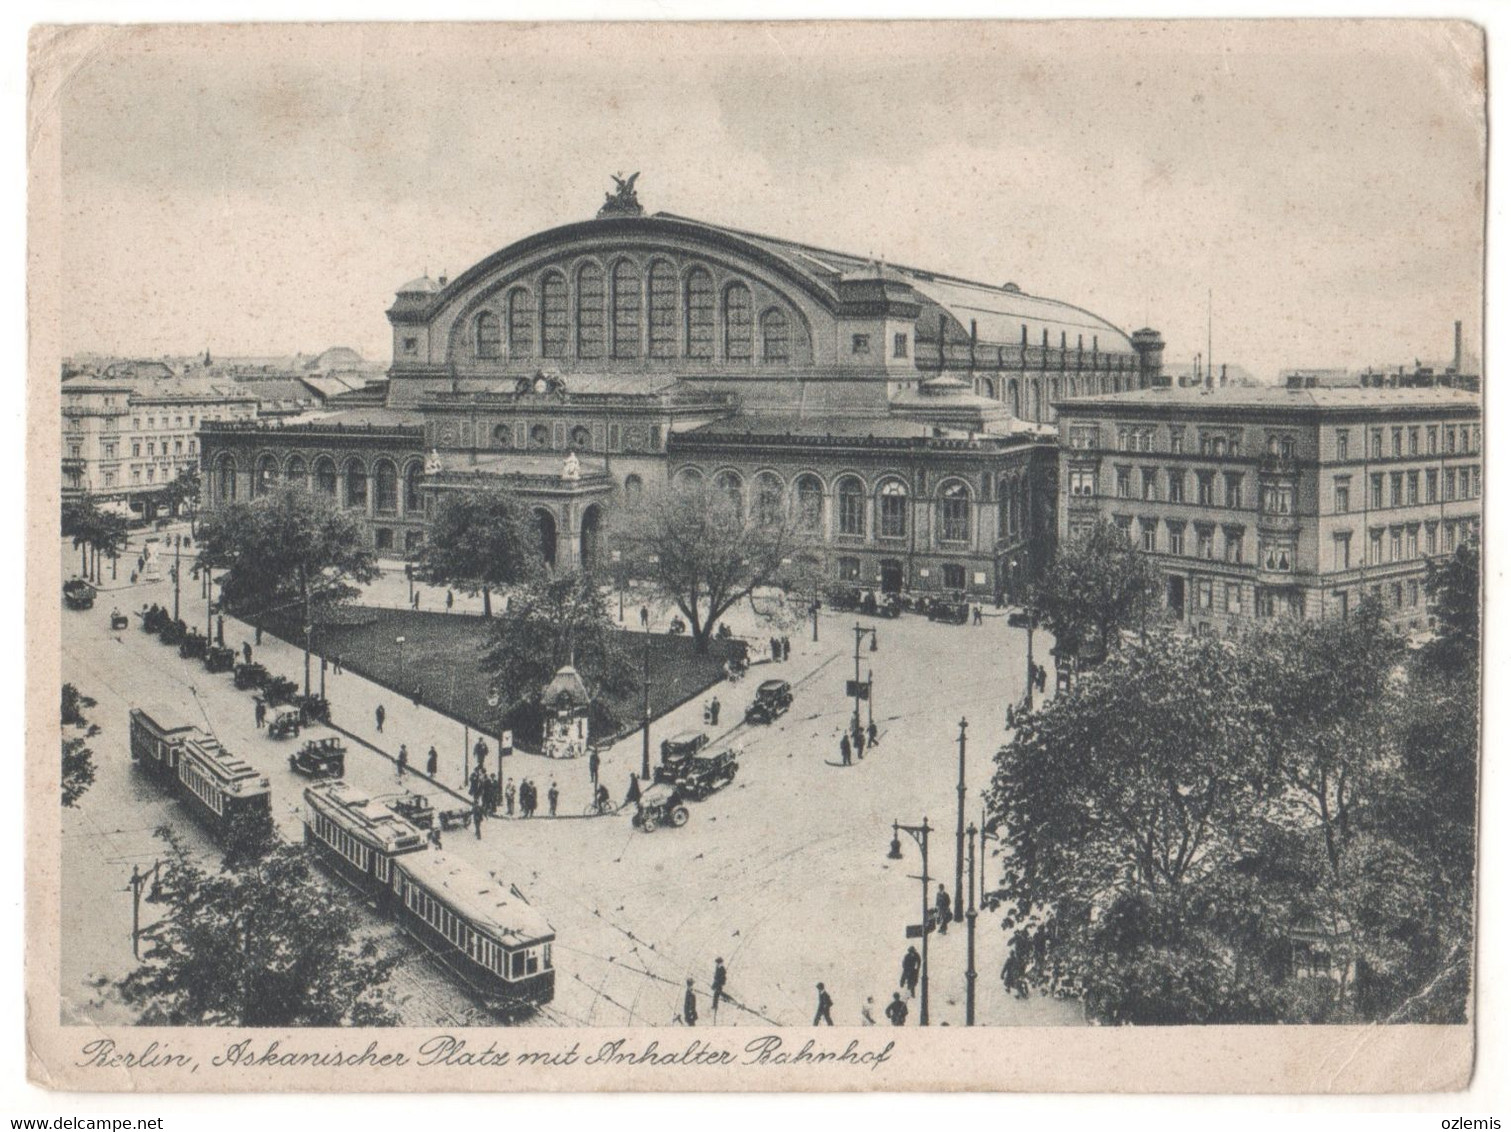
(1458, 345)
(1224, 378)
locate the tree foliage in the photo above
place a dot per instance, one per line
(78, 759)
(95, 532)
(481, 541)
(1097, 584)
(260, 945)
(700, 551)
(1453, 593)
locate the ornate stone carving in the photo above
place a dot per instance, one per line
(622, 201)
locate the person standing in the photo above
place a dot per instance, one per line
(632, 795)
(689, 1006)
(432, 761)
(419, 694)
(593, 765)
(897, 1010)
(860, 742)
(868, 1012)
(911, 963)
(844, 749)
(258, 629)
(942, 906)
(246, 652)
(509, 797)
(786, 648)
(553, 795)
(336, 664)
(450, 600)
(495, 794)
(380, 715)
(416, 602)
(477, 821)
(435, 836)
(721, 976)
(260, 713)
(871, 734)
(713, 712)
(824, 1004)
(403, 759)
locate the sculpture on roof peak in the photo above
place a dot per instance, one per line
(571, 468)
(622, 201)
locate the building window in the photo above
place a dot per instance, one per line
(1148, 488)
(1377, 443)
(411, 345)
(1432, 440)
(954, 576)
(1413, 594)
(1204, 488)
(1341, 544)
(955, 514)
(1204, 593)
(1232, 544)
(893, 510)
(1146, 534)
(1176, 482)
(1395, 544)
(1232, 597)
(356, 484)
(413, 503)
(553, 315)
(1413, 440)
(325, 475)
(849, 569)
(1176, 537)
(1464, 483)
(1432, 485)
(265, 476)
(1412, 548)
(1395, 442)
(810, 504)
(626, 283)
(521, 323)
(1376, 546)
(1448, 483)
(738, 342)
(1083, 481)
(634, 487)
(1413, 488)
(590, 311)
(900, 345)
(136, 448)
(860, 343)
(1177, 440)
(699, 303)
(662, 286)
(1377, 491)
(383, 538)
(1430, 530)
(486, 335)
(852, 507)
(775, 337)
(768, 500)
(151, 449)
(1124, 483)
(540, 436)
(732, 488)
(1395, 489)
(386, 488)
(1340, 496)
(1476, 483)
(1204, 540)
(1232, 490)
(1279, 499)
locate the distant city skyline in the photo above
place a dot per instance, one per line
(1324, 180)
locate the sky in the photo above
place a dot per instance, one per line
(265, 190)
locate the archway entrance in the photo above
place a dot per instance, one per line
(589, 540)
(891, 576)
(547, 524)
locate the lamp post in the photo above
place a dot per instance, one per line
(813, 612)
(870, 721)
(135, 885)
(308, 629)
(400, 642)
(970, 930)
(960, 831)
(860, 631)
(409, 574)
(645, 705)
(986, 835)
(1028, 691)
(920, 834)
(178, 546)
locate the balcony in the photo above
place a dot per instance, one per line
(1279, 523)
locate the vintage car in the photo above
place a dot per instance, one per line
(699, 774)
(314, 709)
(280, 690)
(415, 809)
(118, 620)
(173, 632)
(284, 724)
(78, 594)
(661, 804)
(246, 676)
(682, 745)
(950, 610)
(218, 658)
(772, 698)
(844, 599)
(193, 646)
(154, 617)
(320, 758)
(1019, 618)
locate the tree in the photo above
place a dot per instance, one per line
(260, 945)
(290, 548)
(82, 522)
(481, 541)
(1453, 593)
(1096, 585)
(699, 550)
(78, 759)
(181, 490)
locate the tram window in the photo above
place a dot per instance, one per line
(547, 957)
(517, 965)
(532, 961)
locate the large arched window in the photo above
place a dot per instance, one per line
(225, 479)
(385, 488)
(732, 488)
(626, 310)
(356, 483)
(988, 389)
(737, 327)
(634, 487)
(553, 315)
(689, 477)
(1033, 400)
(325, 476)
(662, 285)
(540, 436)
(590, 311)
(581, 438)
(850, 495)
(297, 472)
(266, 475)
(521, 323)
(776, 337)
(810, 504)
(954, 513)
(699, 302)
(414, 502)
(486, 335)
(1013, 401)
(1004, 508)
(768, 499)
(892, 510)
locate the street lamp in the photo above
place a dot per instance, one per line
(960, 831)
(970, 931)
(645, 707)
(860, 631)
(178, 546)
(920, 834)
(400, 642)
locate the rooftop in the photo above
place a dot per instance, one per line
(1279, 397)
(479, 897)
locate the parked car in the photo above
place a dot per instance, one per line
(280, 690)
(661, 804)
(246, 676)
(284, 724)
(699, 775)
(772, 698)
(320, 758)
(951, 611)
(219, 658)
(682, 745)
(78, 594)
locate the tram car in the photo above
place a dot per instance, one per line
(227, 794)
(358, 836)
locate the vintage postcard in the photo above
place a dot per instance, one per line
(845, 556)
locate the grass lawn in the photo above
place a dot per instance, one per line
(442, 653)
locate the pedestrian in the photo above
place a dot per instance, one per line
(435, 836)
(786, 648)
(824, 1003)
(721, 976)
(259, 635)
(860, 742)
(632, 795)
(689, 1006)
(524, 797)
(975, 615)
(380, 715)
(844, 749)
(897, 1010)
(509, 797)
(220, 629)
(477, 821)
(1043, 676)
(868, 1012)
(261, 712)
(493, 792)
(593, 765)
(432, 761)
(336, 664)
(942, 906)
(553, 795)
(133, 577)
(911, 963)
(419, 694)
(403, 759)
(416, 602)
(246, 652)
(480, 750)
(713, 712)
(450, 600)
(871, 734)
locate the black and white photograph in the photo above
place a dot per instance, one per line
(742, 547)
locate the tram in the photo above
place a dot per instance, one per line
(483, 931)
(226, 793)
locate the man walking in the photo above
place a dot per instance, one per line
(380, 715)
(824, 1003)
(246, 652)
(552, 796)
(261, 713)
(911, 963)
(336, 665)
(450, 600)
(632, 795)
(432, 761)
(721, 976)
(593, 765)
(713, 712)
(403, 759)
(844, 749)
(509, 797)
(860, 742)
(942, 906)
(897, 1010)
(690, 1006)
(477, 821)
(871, 734)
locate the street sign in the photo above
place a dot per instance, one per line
(858, 689)
(914, 931)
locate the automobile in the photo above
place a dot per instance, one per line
(889, 606)
(280, 690)
(193, 646)
(844, 599)
(314, 708)
(246, 676)
(415, 809)
(78, 594)
(118, 620)
(283, 724)
(320, 758)
(699, 775)
(173, 632)
(219, 658)
(772, 698)
(951, 611)
(660, 804)
(683, 744)
(1019, 618)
